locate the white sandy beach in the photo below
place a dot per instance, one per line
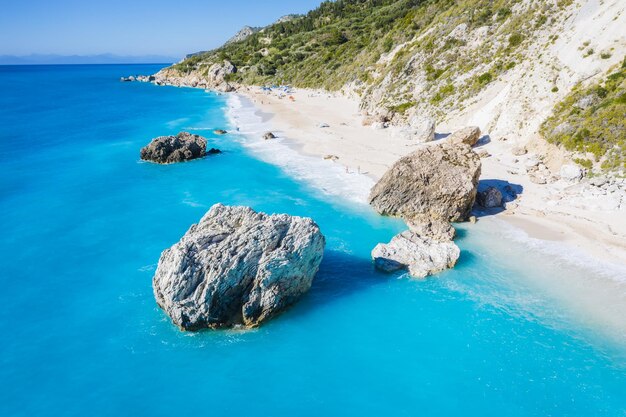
(558, 232)
(546, 212)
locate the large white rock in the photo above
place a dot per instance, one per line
(422, 256)
(571, 173)
(420, 129)
(237, 267)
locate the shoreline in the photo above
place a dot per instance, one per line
(578, 264)
(366, 153)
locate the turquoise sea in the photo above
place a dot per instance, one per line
(83, 224)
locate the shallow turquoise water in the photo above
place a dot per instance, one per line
(84, 223)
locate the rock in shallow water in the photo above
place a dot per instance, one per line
(170, 149)
(422, 256)
(237, 267)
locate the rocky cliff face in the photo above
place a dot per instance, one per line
(243, 33)
(237, 267)
(215, 77)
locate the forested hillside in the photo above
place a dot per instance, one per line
(434, 57)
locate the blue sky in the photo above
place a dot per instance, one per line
(140, 27)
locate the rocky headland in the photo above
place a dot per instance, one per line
(237, 267)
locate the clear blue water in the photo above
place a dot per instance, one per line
(83, 224)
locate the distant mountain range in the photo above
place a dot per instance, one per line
(42, 59)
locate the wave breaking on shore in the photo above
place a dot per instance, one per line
(324, 175)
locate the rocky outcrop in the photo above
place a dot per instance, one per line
(432, 183)
(268, 136)
(243, 33)
(420, 255)
(215, 78)
(237, 267)
(140, 78)
(468, 135)
(170, 149)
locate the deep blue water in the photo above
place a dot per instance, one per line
(83, 223)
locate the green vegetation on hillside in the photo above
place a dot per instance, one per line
(592, 120)
(371, 42)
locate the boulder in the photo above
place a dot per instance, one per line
(468, 135)
(519, 151)
(421, 129)
(237, 267)
(433, 183)
(490, 197)
(220, 132)
(420, 255)
(439, 230)
(571, 173)
(169, 149)
(213, 151)
(269, 135)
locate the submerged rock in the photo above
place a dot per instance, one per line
(237, 267)
(468, 135)
(169, 149)
(420, 255)
(432, 183)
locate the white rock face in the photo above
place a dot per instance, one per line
(237, 267)
(422, 256)
(420, 129)
(215, 78)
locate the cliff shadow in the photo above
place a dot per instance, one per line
(510, 192)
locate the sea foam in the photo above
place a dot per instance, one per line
(323, 175)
